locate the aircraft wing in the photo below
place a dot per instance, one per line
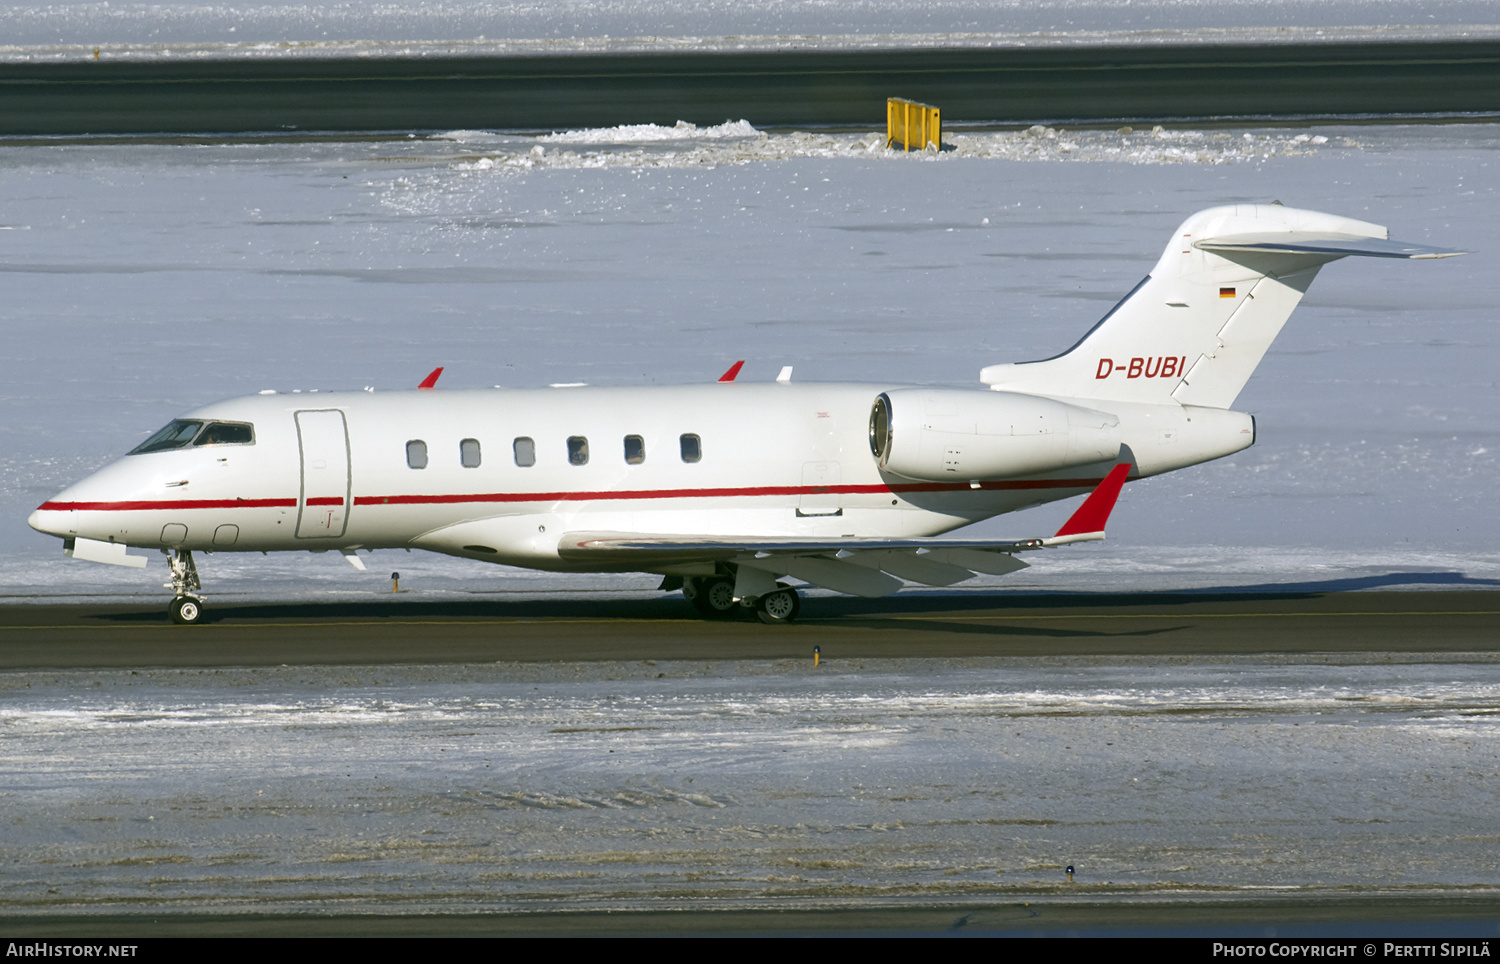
(858, 566)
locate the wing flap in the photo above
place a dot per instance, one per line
(834, 574)
(991, 563)
(913, 566)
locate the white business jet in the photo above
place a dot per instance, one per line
(723, 489)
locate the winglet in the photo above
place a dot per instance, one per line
(430, 382)
(1087, 524)
(733, 371)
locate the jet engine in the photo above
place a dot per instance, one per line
(936, 435)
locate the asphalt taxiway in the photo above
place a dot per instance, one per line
(115, 94)
(386, 631)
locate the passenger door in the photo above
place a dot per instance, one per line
(323, 504)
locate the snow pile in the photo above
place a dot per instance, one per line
(631, 133)
(686, 145)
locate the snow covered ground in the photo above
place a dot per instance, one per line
(89, 23)
(765, 783)
(141, 278)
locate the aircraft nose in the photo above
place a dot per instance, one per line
(47, 522)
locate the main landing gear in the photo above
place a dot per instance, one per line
(187, 605)
(713, 597)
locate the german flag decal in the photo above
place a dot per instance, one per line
(1226, 292)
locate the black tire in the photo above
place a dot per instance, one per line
(714, 598)
(778, 608)
(186, 611)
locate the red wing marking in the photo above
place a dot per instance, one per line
(1094, 513)
(733, 371)
(430, 382)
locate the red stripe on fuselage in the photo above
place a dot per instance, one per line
(183, 504)
(602, 496)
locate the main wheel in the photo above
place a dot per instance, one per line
(714, 598)
(186, 611)
(779, 607)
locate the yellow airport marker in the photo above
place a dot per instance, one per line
(817, 654)
(395, 582)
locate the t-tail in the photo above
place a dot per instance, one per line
(1196, 327)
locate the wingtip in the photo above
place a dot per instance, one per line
(1090, 519)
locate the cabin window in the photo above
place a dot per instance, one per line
(416, 454)
(578, 450)
(525, 450)
(635, 449)
(468, 453)
(176, 434)
(226, 433)
(692, 448)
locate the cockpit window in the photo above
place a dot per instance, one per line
(182, 432)
(177, 434)
(226, 433)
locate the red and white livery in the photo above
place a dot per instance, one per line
(724, 488)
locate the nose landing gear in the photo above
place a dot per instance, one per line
(187, 606)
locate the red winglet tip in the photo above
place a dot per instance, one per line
(430, 382)
(733, 371)
(1094, 513)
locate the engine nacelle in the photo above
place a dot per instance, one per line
(937, 435)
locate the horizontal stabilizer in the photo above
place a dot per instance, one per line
(1291, 242)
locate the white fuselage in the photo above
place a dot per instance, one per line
(335, 471)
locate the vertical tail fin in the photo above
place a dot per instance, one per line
(1196, 327)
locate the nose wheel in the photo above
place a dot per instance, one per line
(186, 607)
